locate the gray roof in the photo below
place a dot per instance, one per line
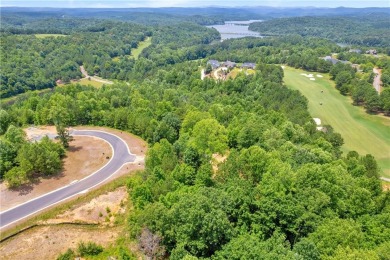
(355, 50)
(248, 65)
(229, 63)
(329, 58)
(214, 63)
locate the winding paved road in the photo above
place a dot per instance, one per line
(121, 155)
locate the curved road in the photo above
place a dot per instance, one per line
(85, 73)
(121, 155)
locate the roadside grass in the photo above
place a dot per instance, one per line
(93, 83)
(51, 213)
(44, 35)
(362, 132)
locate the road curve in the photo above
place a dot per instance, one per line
(85, 74)
(120, 155)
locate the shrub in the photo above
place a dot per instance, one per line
(68, 255)
(89, 248)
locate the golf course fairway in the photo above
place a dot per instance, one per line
(364, 133)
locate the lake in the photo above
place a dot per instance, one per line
(235, 29)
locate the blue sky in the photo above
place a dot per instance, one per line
(190, 3)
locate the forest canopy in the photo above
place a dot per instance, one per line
(235, 168)
(368, 30)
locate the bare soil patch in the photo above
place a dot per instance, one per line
(100, 210)
(85, 156)
(56, 235)
(137, 146)
(386, 186)
(47, 242)
(216, 160)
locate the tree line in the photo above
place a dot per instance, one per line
(365, 30)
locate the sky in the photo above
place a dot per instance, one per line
(192, 3)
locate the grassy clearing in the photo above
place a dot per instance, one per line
(42, 35)
(233, 74)
(364, 133)
(137, 51)
(141, 46)
(93, 83)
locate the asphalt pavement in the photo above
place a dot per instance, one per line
(121, 155)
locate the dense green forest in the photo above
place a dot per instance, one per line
(30, 63)
(236, 169)
(368, 30)
(284, 190)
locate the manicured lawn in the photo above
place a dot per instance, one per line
(233, 74)
(364, 133)
(48, 35)
(93, 83)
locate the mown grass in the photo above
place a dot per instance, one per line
(234, 72)
(93, 83)
(141, 46)
(51, 213)
(364, 133)
(43, 35)
(136, 51)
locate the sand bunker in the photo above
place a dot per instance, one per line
(319, 76)
(310, 76)
(317, 120)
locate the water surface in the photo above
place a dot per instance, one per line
(235, 29)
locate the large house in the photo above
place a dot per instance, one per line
(229, 64)
(214, 64)
(355, 51)
(333, 60)
(248, 65)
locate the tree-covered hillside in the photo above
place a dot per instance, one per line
(30, 63)
(235, 168)
(284, 190)
(366, 30)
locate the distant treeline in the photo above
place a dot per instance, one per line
(367, 30)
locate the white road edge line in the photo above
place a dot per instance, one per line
(113, 153)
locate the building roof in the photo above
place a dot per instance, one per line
(214, 63)
(333, 60)
(229, 63)
(248, 65)
(355, 50)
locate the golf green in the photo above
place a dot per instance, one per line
(364, 133)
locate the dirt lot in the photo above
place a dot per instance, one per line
(101, 210)
(52, 238)
(84, 157)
